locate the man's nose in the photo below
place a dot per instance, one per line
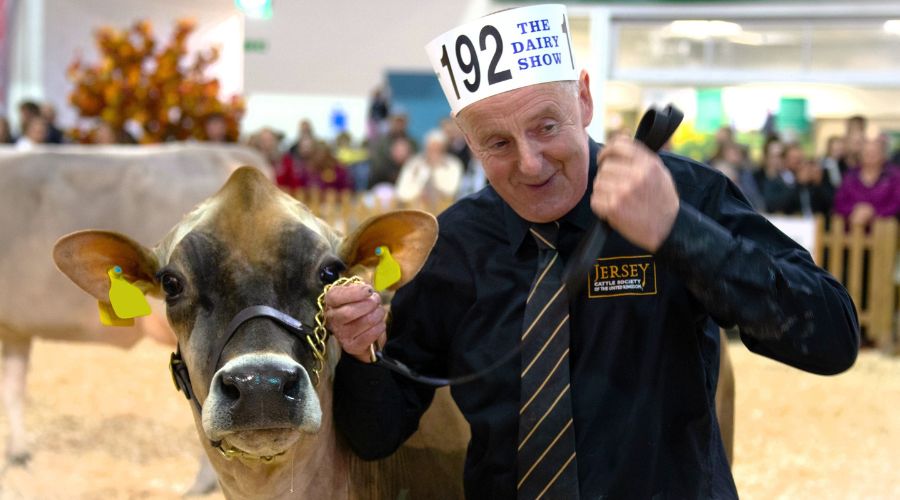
(530, 158)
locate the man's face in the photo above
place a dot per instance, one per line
(533, 145)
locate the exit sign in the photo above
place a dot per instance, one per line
(254, 45)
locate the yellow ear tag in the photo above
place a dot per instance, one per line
(127, 300)
(108, 316)
(387, 272)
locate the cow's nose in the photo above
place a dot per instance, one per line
(255, 392)
(261, 382)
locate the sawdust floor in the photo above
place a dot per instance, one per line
(106, 423)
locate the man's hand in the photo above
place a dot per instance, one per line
(635, 193)
(355, 317)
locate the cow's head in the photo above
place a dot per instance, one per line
(248, 245)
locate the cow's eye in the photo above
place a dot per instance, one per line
(330, 272)
(171, 285)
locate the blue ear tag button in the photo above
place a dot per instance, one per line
(387, 272)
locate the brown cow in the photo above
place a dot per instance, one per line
(264, 422)
(262, 417)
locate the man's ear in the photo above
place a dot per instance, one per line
(86, 257)
(585, 99)
(408, 234)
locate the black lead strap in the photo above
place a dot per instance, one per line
(654, 130)
(393, 365)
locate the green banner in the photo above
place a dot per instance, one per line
(710, 114)
(792, 115)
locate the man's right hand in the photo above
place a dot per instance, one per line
(355, 316)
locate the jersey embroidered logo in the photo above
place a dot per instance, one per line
(621, 276)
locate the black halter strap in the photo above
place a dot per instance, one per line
(179, 369)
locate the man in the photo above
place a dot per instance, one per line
(626, 402)
(54, 134)
(389, 152)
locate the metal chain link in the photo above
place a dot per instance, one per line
(320, 334)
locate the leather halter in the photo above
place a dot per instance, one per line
(182, 378)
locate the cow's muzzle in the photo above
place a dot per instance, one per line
(260, 404)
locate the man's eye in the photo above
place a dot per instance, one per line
(548, 127)
(499, 145)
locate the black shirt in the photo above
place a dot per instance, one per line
(644, 350)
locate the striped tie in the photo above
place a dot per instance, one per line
(547, 467)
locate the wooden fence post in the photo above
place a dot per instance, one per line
(881, 282)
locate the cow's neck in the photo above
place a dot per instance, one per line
(317, 465)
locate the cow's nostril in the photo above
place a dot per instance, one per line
(229, 388)
(291, 387)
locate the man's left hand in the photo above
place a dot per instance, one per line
(634, 193)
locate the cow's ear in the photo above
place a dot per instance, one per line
(408, 234)
(86, 257)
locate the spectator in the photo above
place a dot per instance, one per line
(456, 143)
(724, 136)
(855, 136)
(815, 193)
(215, 129)
(54, 134)
(304, 131)
(728, 159)
(268, 142)
(802, 187)
(379, 110)
(731, 159)
(105, 134)
(774, 180)
(294, 163)
(323, 171)
(356, 159)
(6, 132)
(895, 158)
(391, 151)
(35, 132)
(831, 162)
(432, 175)
(27, 111)
(871, 191)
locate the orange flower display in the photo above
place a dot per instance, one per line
(159, 92)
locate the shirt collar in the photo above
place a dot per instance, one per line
(580, 216)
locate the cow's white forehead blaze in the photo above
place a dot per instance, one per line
(247, 211)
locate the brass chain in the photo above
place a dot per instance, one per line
(319, 335)
(232, 453)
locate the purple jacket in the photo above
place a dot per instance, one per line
(884, 195)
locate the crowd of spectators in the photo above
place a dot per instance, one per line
(38, 126)
(389, 161)
(855, 176)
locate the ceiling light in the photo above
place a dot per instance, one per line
(702, 29)
(892, 26)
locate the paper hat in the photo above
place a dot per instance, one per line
(504, 51)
